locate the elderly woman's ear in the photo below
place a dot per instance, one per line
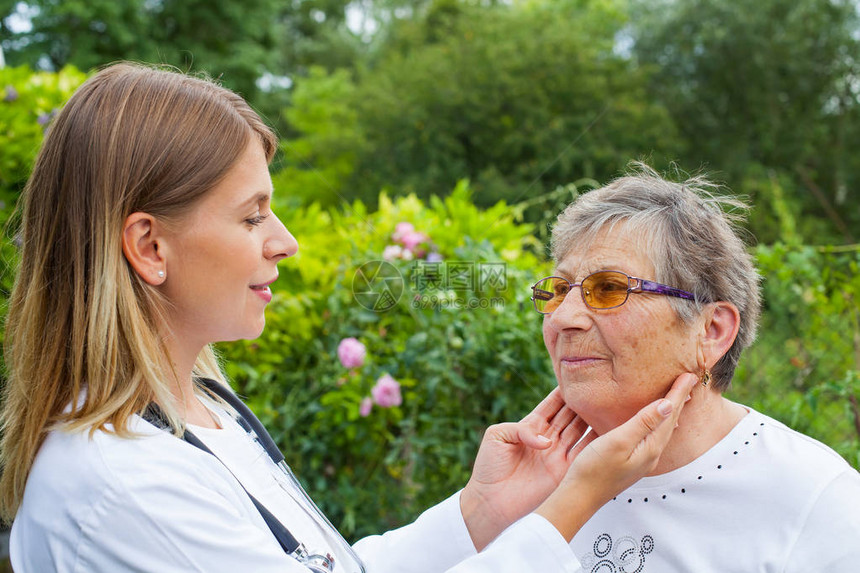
(721, 321)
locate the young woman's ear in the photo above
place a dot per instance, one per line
(722, 321)
(140, 245)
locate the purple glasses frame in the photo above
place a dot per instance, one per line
(634, 285)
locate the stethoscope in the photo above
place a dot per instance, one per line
(246, 418)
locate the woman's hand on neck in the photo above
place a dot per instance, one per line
(707, 418)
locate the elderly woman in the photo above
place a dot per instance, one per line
(651, 280)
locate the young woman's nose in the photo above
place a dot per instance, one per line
(281, 243)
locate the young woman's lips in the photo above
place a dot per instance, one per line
(263, 290)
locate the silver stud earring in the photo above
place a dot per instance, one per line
(161, 274)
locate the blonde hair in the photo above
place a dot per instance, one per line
(82, 344)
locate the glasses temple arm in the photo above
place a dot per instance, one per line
(651, 286)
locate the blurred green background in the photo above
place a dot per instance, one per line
(476, 122)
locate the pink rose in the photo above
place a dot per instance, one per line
(386, 392)
(413, 239)
(365, 407)
(402, 229)
(351, 353)
(392, 252)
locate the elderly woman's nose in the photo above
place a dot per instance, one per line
(571, 313)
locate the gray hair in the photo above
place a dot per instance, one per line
(691, 234)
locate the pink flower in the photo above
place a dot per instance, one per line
(392, 252)
(402, 229)
(413, 239)
(365, 407)
(386, 392)
(351, 353)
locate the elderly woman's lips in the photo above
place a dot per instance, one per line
(578, 362)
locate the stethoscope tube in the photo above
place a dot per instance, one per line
(291, 546)
(245, 412)
(316, 563)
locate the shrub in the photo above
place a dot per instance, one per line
(28, 101)
(458, 369)
(805, 367)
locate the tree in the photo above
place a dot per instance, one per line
(519, 99)
(318, 164)
(762, 87)
(235, 41)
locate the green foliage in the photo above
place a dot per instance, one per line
(805, 366)
(767, 83)
(318, 164)
(29, 101)
(460, 369)
(466, 91)
(231, 40)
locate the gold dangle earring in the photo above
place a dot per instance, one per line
(705, 376)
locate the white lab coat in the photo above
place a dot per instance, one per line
(157, 504)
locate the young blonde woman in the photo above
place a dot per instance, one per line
(147, 236)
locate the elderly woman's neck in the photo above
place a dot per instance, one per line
(707, 418)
